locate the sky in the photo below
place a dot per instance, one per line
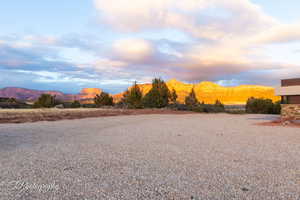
(68, 45)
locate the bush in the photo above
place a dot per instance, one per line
(132, 98)
(45, 101)
(206, 108)
(212, 108)
(89, 105)
(277, 107)
(12, 103)
(201, 108)
(219, 107)
(198, 108)
(158, 96)
(75, 104)
(262, 106)
(236, 112)
(177, 106)
(191, 100)
(173, 96)
(104, 99)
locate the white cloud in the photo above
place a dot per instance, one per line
(283, 33)
(108, 64)
(233, 32)
(133, 50)
(222, 39)
(189, 16)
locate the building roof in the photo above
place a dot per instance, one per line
(290, 82)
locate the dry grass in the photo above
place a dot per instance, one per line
(34, 115)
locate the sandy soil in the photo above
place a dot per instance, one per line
(215, 156)
(35, 115)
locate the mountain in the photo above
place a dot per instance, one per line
(89, 93)
(86, 96)
(209, 92)
(32, 95)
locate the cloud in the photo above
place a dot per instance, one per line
(284, 33)
(227, 36)
(217, 40)
(133, 50)
(190, 16)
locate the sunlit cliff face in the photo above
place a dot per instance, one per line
(89, 93)
(209, 92)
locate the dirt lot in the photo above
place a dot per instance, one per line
(34, 115)
(215, 156)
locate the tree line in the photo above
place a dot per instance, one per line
(160, 96)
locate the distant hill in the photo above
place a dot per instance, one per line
(32, 95)
(209, 92)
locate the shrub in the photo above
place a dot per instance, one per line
(45, 101)
(104, 99)
(212, 108)
(191, 100)
(12, 103)
(237, 112)
(177, 106)
(75, 104)
(262, 106)
(219, 107)
(277, 107)
(173, 96)
(132, 98)
(89, 105)
(158, 96)
(198, 108)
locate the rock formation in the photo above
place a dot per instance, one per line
(209, 92)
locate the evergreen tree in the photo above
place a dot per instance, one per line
(75, 104)
(45, 101)
(260, 106)
(133, 97)
(173, 96)
(191, 100)
(219, 107)
(219, 104)
(158, 96)
(104, 99)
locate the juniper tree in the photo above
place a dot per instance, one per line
(173, 96)
(75, 104)
(158, 96)
(104, 99)
(133, 97)
(218, 103)
(45, 101)
(191, 100)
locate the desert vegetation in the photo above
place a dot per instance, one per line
(263, 106)
(160, 96)
(12, 103)
(46, 101)
(103, 99)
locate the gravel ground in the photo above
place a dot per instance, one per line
(213, 156)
